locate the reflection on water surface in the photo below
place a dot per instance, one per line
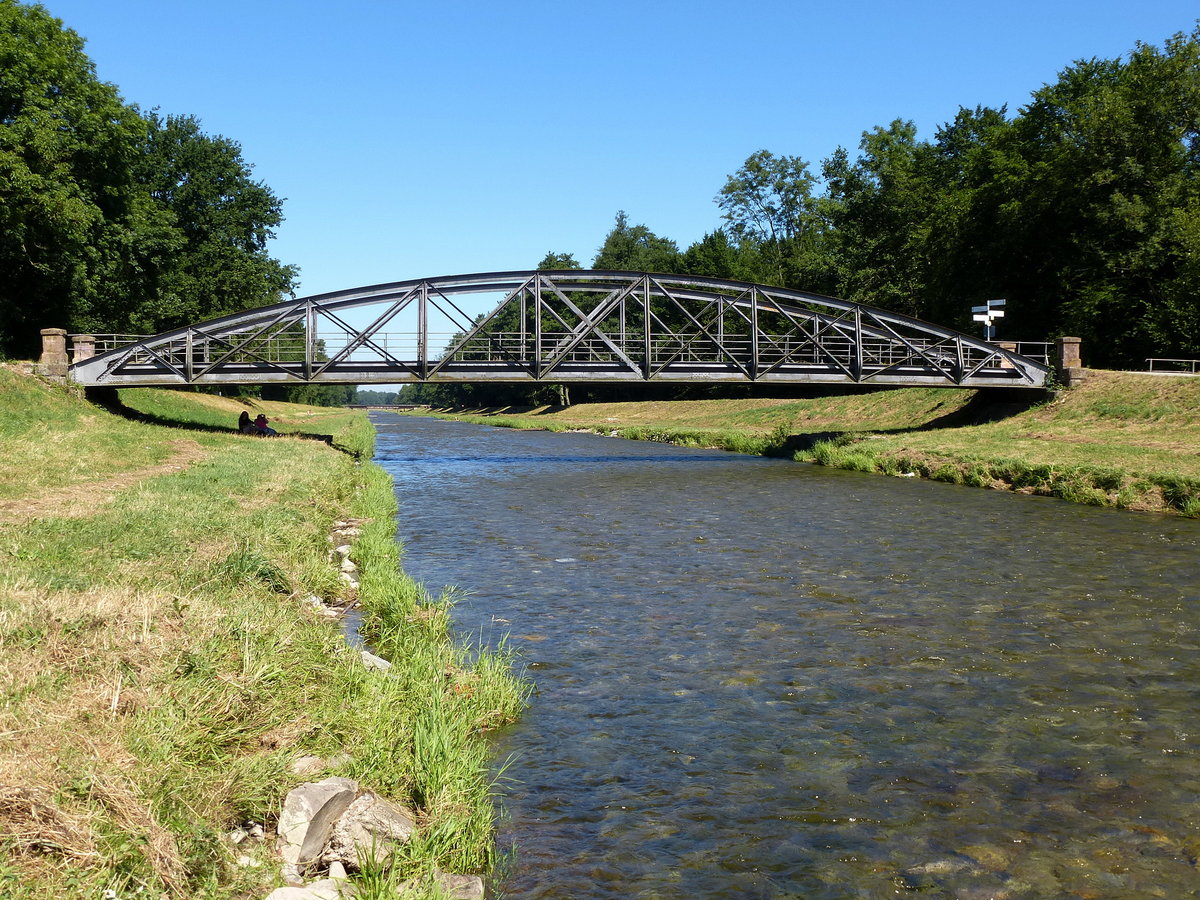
(763, 679)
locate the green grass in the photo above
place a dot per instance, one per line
(158, 673)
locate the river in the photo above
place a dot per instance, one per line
(762, 679)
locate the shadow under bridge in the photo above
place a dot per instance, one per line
(560, 326)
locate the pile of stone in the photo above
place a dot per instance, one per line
(329, 828)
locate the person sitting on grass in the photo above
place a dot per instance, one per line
(245, 426)
(260, 424)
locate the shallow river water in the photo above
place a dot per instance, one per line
(757, 678)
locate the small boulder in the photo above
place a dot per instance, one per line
(325, 889)
(371, 827)
(309, 813)
(461, 887)
(377, 663)
(455, 887)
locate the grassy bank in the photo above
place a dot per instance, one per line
(1118, 439)
(159, 674)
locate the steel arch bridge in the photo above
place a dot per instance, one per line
(566, 326)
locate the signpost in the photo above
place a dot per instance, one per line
(987, 315)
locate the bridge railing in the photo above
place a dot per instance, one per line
(106, 342)
(1041, 351)
(525, 348)
(1173, 366)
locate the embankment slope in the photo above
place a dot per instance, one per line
(163, 667)
(1118, 439)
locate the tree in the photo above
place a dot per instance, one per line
(70, 209)
(1081, 210)
(111, 221)
(635, 248)
(779, 222)
(714, 255)
(557, 261)
(880, 210)
(1113, 154)
(223, 218)
(376, 398)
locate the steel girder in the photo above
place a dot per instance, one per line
(563, 326)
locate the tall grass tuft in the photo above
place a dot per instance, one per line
(841, 455)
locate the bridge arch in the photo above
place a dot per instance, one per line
(560, 326)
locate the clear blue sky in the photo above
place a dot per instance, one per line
(420, 139)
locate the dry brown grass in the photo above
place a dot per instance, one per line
(120, 798)
(75, 673)
(38, 824)
(32, 822)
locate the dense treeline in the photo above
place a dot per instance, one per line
(111, 219)
(1082, 210)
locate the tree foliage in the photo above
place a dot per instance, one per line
(69, 214)
(778, 220)
(223, 219)
(635, 248)
(112, 221)
(1081, 210)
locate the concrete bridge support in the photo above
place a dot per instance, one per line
(53, 362)
(83, 346)
(1070, 364)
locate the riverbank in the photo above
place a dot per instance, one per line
(1118, 439)
(165, 666)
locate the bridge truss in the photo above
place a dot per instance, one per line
(560, 326)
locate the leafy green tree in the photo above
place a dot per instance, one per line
(111, 221)
(880, 208)
(224, 219)
(715, 255)
(1113, 151)
(72, 220)
(557, 261)
(964, 245)
(376, 398)
(635, 248)
(1081, 210)
(779, 222)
